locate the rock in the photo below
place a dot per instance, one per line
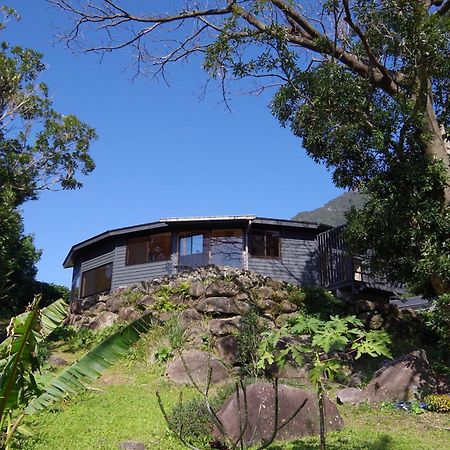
(242, 297)
(87, 303)
(376, 322)
(222, 289)
(222, 327)
(198, 364)
(222, 305)
(195, 336)
(146, 302)
(103, 320)
(276, 285)
(405, 378)
(350, 395)
(130, 445)
(197, 289)
(266, 304)
(261, 413)
(227, 347)
(292, 371)
(188, 317)
(56, 361)
(164, 316)
(128, 314)
(282, 318)
(114, 304)
(99, 307)
(262, 293)
(287, 307)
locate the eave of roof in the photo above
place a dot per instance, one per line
(165, 222)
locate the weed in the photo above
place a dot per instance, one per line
(163, 354)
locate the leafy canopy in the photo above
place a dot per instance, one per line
(363, 84)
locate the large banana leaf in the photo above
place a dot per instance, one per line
(89, 367)
(18, 352)
(49, 318)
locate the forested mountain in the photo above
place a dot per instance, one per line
(333, 212)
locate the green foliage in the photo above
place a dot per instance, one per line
(248, 340)
(163, 354)
(439, 403)
(164, 296)
(40, 149)
(329, 339)
(90, 366)
(320, 302)
(19, 360)
(439, 320)
(193, 418)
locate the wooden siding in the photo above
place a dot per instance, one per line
(102, 255)
(124, 275)
(298, 263)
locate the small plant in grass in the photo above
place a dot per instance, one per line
(330, 340)
(163, 354)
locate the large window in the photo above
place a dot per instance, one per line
(96, 280)
(265, 244)
(193, 249)
(144, 249)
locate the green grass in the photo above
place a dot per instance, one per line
(122, 406)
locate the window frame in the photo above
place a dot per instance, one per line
(146, 240)
(265, 233)
(95, 270)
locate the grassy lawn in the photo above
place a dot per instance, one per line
(122, 406)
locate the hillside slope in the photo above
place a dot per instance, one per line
(333, 212)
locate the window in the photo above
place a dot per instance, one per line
(144, 249)
(226, 248)
(193, 249)
(96, 280)
(265, 244)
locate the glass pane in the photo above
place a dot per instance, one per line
(159, 247)
(226, 248)
(197, 244)
(104, 275)
(257, 244)
(88, 283)
(272, 245)
(193, 250)
(137, 250)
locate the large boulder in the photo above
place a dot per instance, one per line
(222, 305)
(261, 414)
(196, 364)
(405, 378)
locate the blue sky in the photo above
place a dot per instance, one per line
(161, 151)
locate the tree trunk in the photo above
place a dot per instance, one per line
(436, 147)
(322, 430)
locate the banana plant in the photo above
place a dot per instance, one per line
(20, 394)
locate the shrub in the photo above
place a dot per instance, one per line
(439, 320)
(322, 303)
(438, 402)
(249, 340)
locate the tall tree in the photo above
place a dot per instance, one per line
(364, 84)
(40, 149)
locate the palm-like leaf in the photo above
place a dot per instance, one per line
(89, 367)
